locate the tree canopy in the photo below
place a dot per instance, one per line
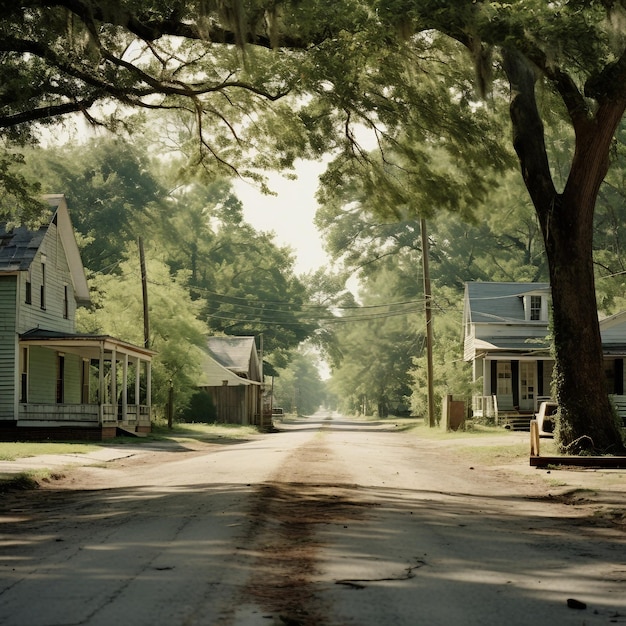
(305, 77)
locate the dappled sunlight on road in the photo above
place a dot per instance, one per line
(330, 522)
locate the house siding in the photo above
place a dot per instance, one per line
(73, 379)
(42, 377)
(8, 346)
(522, 330)
(230, 403)
(57, 278)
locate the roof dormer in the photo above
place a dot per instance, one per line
(535, 307)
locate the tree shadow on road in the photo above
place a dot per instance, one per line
(323, 554)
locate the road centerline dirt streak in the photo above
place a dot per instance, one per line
(287, 513)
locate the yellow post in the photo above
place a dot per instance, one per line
(534, 438)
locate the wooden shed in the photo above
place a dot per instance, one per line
(232, 376)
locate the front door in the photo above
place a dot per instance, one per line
(527, 385)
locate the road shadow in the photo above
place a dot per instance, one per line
(323, 554)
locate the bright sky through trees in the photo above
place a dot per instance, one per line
(289, 214)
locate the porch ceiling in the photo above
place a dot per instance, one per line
(87, 346)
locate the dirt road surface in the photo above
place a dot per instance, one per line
(328, 522)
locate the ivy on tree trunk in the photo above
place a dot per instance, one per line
(567, 225)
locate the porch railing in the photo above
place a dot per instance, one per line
(111, 413)
(484, 406)
(59, 412)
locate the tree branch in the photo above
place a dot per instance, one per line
(528, 132)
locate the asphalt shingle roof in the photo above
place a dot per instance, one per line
(232, 352)
(18, 247)
(499, 302)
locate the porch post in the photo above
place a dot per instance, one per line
(101, 385)
(515, 381)
(114, 380)
(148, 384)
(137, 381)
(125, 387)
(494, 378)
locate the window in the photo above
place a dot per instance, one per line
(28, 297)
(505, 379)
(24, 375)
(42, 290)
(60, 378)
(535, 308)
(66, 303)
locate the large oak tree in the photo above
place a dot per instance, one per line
(365, 63)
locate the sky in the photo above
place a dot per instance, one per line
(289, 214)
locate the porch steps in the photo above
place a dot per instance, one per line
(516, 421)
(123, 432)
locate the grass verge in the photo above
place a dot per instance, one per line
(26, 481)
(213, 433)
(9, 451)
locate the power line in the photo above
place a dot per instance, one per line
(318, 320)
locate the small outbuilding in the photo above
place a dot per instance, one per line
(233, 377)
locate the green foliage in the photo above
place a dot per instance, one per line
(20, 200)
(200, 409)
(112, 189)
(176, 334)
(377, 342)
(298, 388)
(244, 281)
(451, 375)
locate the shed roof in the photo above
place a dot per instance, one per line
(233, 353)
(214, 374)
(488, 302)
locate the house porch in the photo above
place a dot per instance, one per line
(80, 387)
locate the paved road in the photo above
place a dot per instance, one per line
(329, 522)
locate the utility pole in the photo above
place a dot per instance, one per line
(144, 288)
(429, 325)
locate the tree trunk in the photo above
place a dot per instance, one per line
(587, 421)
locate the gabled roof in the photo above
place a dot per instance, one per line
(487, 302)
(214, 374)
(237, 354)
(18, 246)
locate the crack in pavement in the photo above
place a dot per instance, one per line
(357, 583)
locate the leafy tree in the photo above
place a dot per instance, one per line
(378, 340)
(200, 409)
(583, 80)
(327, 295)
(176, 334)
(112, 188)
(245, 281)
(298, 388)
(588, 77)
(402, 69)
